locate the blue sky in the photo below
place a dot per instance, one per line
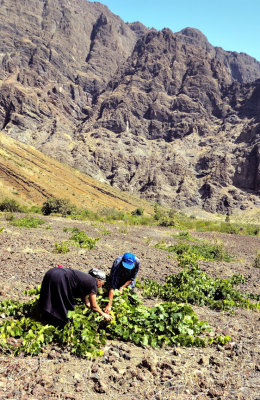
(231, 24)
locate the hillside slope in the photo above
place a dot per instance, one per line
(31, 177)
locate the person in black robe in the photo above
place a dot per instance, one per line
(60, 287)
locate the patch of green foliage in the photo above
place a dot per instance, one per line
(161, 217)
(10, 205)
(194, 286)
(78, 239)
(205, 251)
(2, 228)
(62, 248)
(81, 239)
(27, 222)
(86, 332)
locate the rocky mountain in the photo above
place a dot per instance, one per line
(162, 114)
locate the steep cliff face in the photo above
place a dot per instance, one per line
(162, 114)
(184, 132)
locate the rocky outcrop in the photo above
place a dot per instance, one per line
(163, 114)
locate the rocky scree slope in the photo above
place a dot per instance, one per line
(163, 114)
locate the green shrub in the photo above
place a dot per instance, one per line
(166, 221)
(138, 211)
(1, 228)
(138, 220)
(27, 222)
(61, 248)
(58, 206)
(81, 239)
(10, 205)
(157, 212)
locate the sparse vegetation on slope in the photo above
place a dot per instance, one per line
(194, 286)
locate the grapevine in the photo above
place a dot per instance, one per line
(194, 286)
(21, 331)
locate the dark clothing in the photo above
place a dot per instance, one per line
(60, 287)
(119, 275)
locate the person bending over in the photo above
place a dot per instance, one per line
(122, 275)
(61, 286)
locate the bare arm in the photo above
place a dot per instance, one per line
(91, 302)
(111, 296)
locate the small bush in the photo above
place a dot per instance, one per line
(10, 205)
(62, 248)
(138, 211)
(58, 206)
(81, 239)
(157, 212)
(138, 220)
(166, 221)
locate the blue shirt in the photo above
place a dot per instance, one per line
(119, 275)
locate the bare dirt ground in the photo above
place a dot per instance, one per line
(127, 371)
